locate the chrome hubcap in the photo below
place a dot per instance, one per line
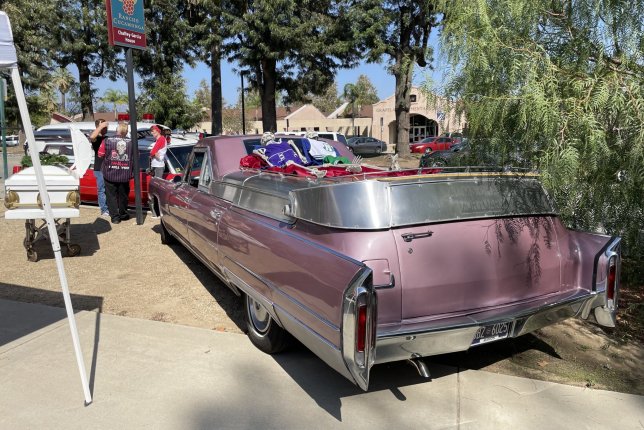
(259, 316)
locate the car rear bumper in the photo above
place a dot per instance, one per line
(457, 334)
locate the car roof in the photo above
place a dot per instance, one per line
(89, 126)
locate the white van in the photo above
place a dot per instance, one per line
(331, 135)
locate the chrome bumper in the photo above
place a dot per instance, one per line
(457, 334)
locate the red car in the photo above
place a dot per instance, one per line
(433, 143)
(176, 157)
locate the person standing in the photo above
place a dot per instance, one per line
(96, 137)
(117, 171)
(157, 154)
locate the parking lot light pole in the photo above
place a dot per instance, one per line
(242, 106)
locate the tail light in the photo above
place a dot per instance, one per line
(359, 319)
(611, 286)
(200, 136)
(361, 329)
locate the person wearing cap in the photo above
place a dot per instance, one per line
(157, 154)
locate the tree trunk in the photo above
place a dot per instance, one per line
(87, 106)
(403, 72)
(267, 94)
(215, 89)
(62, 102)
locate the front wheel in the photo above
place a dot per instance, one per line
(263, 331)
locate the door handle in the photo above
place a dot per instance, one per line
(408, 237)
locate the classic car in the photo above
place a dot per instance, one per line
(363, 266)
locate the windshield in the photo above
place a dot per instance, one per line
(178, 156)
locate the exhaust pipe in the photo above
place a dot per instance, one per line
(419, 364)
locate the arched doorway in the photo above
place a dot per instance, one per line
(421, 127)
(392, 132)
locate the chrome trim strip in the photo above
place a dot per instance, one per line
(606, 313)
(444, 336)
(612, 242)
(359, 365)
(251, 292)
(320, 346)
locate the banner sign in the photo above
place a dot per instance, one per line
(126, 23)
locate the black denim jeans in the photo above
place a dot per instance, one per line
(117, 196)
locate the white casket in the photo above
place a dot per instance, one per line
(22, 197)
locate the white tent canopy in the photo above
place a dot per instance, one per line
(9, 60)
(8, 57)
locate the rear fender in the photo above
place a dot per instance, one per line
(605, 285)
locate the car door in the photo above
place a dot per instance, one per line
(374, 145)
(359, 146)
(205, 214)
(179, 200)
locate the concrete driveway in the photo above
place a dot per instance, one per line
(147, 374)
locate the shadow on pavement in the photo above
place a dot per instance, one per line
(229, 302)
(18, 320)
(307, 370)
(84, 235)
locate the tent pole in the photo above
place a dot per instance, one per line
(51, 227)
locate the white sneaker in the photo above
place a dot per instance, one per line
(105, 214)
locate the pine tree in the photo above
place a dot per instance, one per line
(205, 19)
(400, 32)
(289, 45)
(81, 35)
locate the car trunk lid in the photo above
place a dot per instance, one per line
(466, 266)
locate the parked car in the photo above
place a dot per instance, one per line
(364, 145)
(363, 267)
(456, 136)
(329, 135)
(455, 156)
(433, 143)
(176, 157)
(11, 140)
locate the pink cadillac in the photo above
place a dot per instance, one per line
(367, 267)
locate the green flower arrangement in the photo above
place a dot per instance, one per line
(45, 160)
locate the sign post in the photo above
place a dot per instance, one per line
(126, 27)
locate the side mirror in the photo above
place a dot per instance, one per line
(176, 179)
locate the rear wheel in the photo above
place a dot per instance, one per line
(166, 237)
(439, 162)
(263, 331)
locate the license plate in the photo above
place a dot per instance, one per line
(492, 332)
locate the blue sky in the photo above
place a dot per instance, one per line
(230, 81)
